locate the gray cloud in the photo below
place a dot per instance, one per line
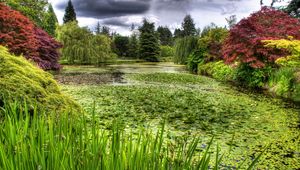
(108, 8)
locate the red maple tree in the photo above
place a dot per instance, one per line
(244, 43)
(22, 37)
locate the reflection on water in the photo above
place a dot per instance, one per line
(113, 74)
(148, 68)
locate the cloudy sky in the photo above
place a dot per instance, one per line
(120, 14)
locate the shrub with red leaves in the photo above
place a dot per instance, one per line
(22, 37)
(244, 43)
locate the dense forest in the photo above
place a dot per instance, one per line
(215, 97)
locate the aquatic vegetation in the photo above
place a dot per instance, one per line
(200, 106)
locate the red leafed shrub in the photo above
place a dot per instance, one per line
(22, 37)
(244, 43)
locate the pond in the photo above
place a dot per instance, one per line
(113, 74)
(147, 95)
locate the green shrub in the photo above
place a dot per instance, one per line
(218, 70)
(252, 77)
(21, 80)
(284, 83)
(166, 51)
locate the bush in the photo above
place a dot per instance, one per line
(252, 77)
(217, 70)
(244, 43)
(21, 36)
(292, 46)
(284, 83)
(20, 80)
(166, 53)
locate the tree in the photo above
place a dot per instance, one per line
(121, 45)
(188, 26)
(183, 48)
(70, 14)
(133, 49)
(105, 30)
(98, 28)
(165, 35)
(51, 21)
(231, 21)
(293, 8)
(244, 43)
(149, 46)
(177, 33)
(35, 10)
(81, 46)
(22, 37)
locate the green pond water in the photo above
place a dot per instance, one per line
(146, 95)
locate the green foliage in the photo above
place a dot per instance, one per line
(45, 142)
(252, 77)
(217, 70)
(20, 80)
(70, 14)
(149, 46)
(133, 49)
(166, 53)
(183, 48)
(293, 46)
(284, 83)
(200, 106)
(51, 21)
(82, 47)
(188, 26)
(121, 44)
(38, 11)
(208, 47)
(165, 36)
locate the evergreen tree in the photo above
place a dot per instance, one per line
(133, 50)
(177, 33)
(149, 46)
(188, 26)
(98, 28)
(231, 21)
(165, 35)
(70, 14)
(51, 21)
(121, 45)
(105, 30)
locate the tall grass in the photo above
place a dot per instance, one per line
(35, 141)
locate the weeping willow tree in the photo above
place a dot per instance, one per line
(81, 46)
(183, 48)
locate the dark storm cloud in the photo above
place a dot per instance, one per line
(108, 8)
(122, 22)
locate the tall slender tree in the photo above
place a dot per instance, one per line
(51, 21)
(188, 26)
(149, 46)
(98, 28)
(70, 14)
(133, 50)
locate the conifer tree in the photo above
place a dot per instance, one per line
(98, 28)
(51, 21)
(165, 35)
(188, 26)
(149, 46)
(70, 14)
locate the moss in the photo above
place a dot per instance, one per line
(22, 81)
